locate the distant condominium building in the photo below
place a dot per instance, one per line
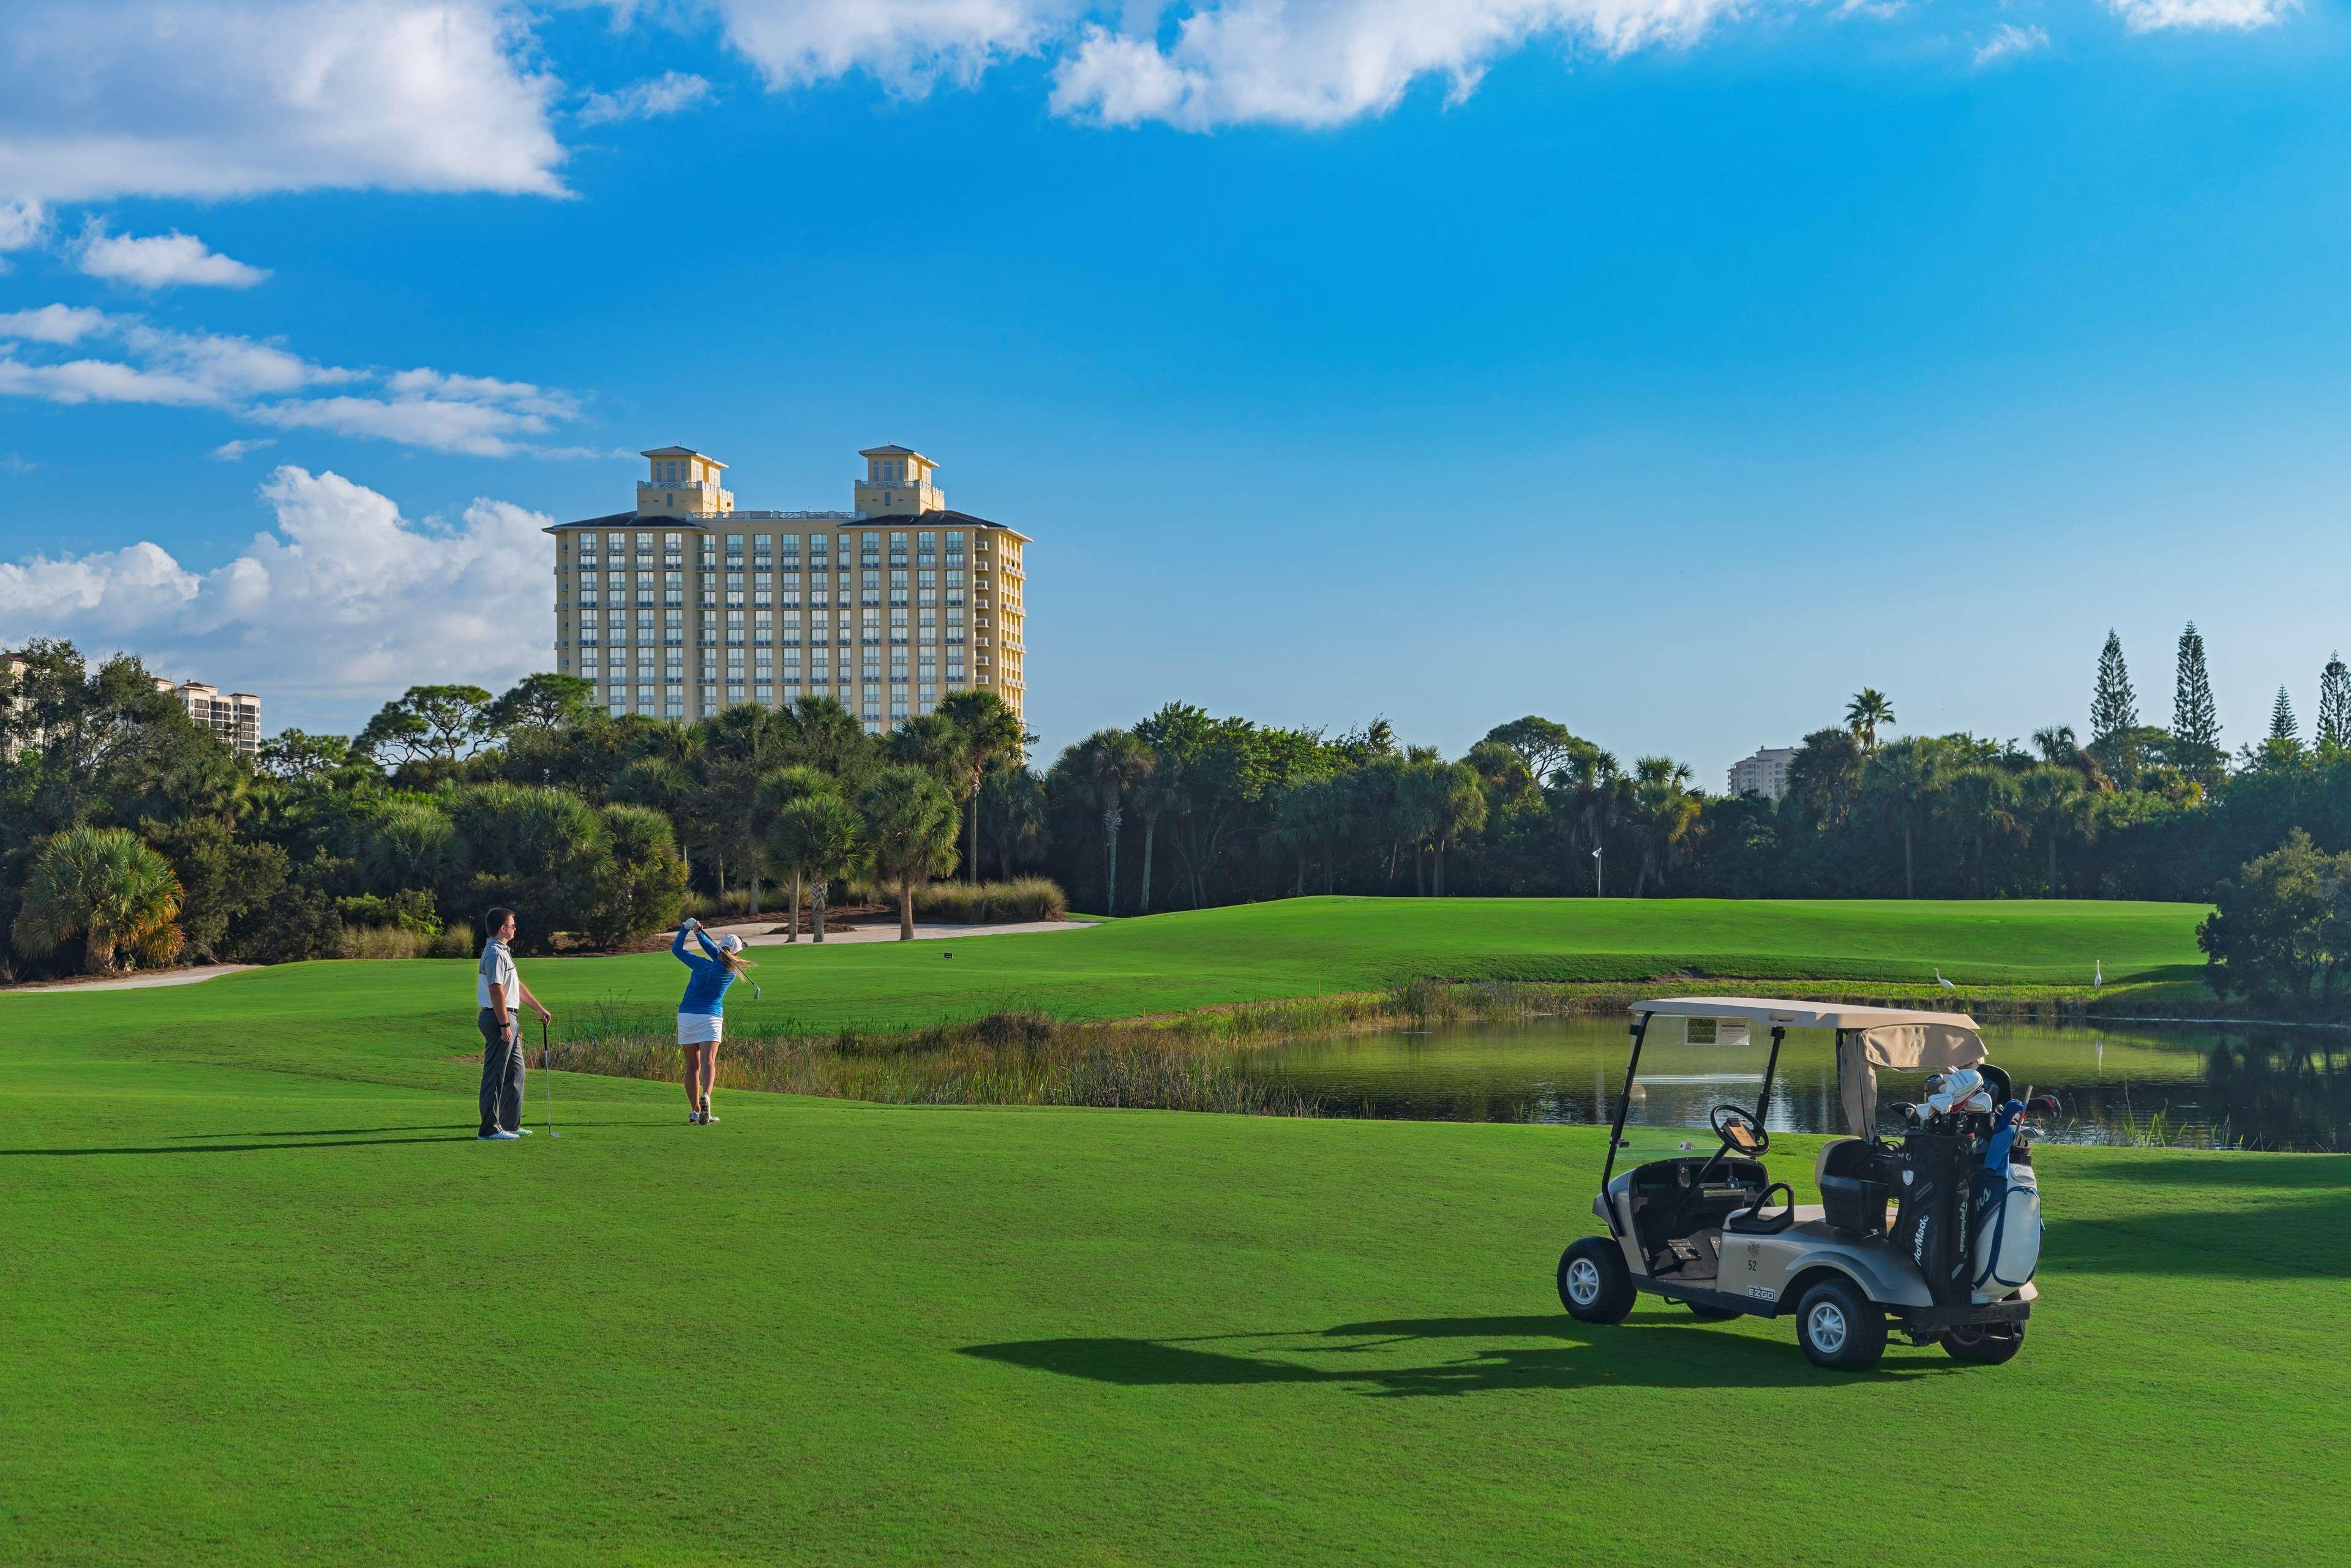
(1764, 774)
(685, 605)
(11, 674)
(235, 718)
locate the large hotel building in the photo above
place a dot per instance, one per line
(687, 605)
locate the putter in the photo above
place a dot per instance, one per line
(546, 1078)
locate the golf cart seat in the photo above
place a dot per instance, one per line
(1754, 1220)
(1856, 1179)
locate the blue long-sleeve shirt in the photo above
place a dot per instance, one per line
(705, 987)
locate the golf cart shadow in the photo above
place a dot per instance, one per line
(1685, 1356)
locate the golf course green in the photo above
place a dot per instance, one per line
(269, 1301)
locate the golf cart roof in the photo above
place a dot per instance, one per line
(1796, 1015)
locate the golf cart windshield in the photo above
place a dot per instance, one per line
(1687, 1067)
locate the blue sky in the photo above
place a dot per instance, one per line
(1667, 367)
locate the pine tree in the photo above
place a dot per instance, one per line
(2115, 706)
(2283, 724)
(2334, 705)
(2195, 722)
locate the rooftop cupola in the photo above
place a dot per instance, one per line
(683, 482)
(898, 480)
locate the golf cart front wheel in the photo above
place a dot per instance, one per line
(1592, 1283)
(1839, 1328)
(1984, 1345)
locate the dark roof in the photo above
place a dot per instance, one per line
(617, 520)
(889, 452)
(940, 519)
(950, 520)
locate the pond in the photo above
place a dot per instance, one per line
(2199, 1087)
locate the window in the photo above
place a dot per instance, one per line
(927, 694)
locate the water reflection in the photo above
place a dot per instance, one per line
(2197, 1087)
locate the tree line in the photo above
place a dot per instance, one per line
(130, 834)
(536, 799)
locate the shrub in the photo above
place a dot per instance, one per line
(410, 910)
(639, 880)
(981, 903)
(105, 886)
(2281, 926)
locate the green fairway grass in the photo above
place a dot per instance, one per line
(268, 1315)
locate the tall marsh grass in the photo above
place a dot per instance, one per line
(1182, 1061)
(975, 903)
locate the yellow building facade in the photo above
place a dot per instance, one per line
(686, 604)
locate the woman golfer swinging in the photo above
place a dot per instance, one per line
(701, 1013)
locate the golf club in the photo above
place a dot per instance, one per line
(547, 1080)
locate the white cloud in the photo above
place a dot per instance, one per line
(442, 424)
(1210, 62)
(908, 45)
(234, 451)
(160, 261)
(264, 383)
(672, 92)
(1291, 63)
(343, 605)
(101, 98)
(2008, 41)
(22, 223)
(54, 323)
(2154, 16)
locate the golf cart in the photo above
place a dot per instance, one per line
(1936, 1233)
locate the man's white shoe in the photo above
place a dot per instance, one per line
(501, 1136)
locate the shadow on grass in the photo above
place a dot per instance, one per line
(242, 1148)
(1688, 1356)
(337, 1131)
(2274, 1241)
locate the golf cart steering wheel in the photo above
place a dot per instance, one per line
(1739, 1132)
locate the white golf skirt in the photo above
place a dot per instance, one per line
(699, 1028)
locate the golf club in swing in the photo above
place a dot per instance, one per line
(546, 1078)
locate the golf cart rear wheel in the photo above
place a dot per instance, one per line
(1840, 1328)
(1592, 1283)
(1984, 1345)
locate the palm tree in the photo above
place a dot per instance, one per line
(992, 736)
(1414, 811)
(1666, 810)
(1984, 800)
(910, 834)
(1911, 771)
(1106, 763)
(1868, 709)
(2056, 804)
(815, 838)
(1012, 802)
(1587, 796)
(1459, 808)
(1154, 796)
(107, 886)
(778, 788)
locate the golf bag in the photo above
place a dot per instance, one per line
(1930, 1222)
(2005, 1212)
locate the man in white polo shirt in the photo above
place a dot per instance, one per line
(499, 994)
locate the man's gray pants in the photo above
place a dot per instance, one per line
(502, 1074)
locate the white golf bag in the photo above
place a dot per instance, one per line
(2006, 1245)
